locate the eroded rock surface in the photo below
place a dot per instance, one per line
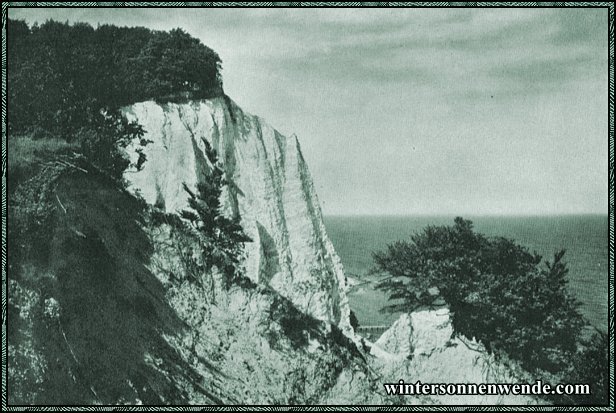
(421, 346)
(270, 189)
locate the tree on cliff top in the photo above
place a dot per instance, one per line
(496, 289)
(60, 74)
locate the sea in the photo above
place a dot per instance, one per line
(584, 237)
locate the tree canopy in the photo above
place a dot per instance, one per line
(67, 82)
(59, 75)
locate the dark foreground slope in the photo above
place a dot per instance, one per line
(83, 308)
(101, 311)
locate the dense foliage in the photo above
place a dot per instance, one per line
(101, 141)
(221, 238)
(496, 289)
(67, 83)
(60, 76)
(591, 365)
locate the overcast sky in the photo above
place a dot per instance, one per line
(418, 111)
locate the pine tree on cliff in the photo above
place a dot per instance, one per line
(221, 237)
(496, 288)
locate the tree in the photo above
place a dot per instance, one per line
(176, 62)
(220, 237)
(102, 139)
(496, 290)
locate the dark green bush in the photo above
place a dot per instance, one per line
(101, 141)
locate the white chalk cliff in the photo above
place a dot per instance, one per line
(270, 189)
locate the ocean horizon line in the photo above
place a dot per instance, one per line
(454, 215)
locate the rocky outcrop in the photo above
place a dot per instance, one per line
(419, 333)
(270, 189)
(421, 346)
(251, 346)
(396, 341)
(431, 331)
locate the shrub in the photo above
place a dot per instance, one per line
(101, 141)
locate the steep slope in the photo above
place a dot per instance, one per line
(270, 188)
(84, 310)
(105, 312)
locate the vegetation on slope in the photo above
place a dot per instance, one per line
(221, 238)
(105, 308)
(102, 308)
(85, 313)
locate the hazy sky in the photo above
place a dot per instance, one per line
(418, 111)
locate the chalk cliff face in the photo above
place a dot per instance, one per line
(270, 189)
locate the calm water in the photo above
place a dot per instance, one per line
(584, 237)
